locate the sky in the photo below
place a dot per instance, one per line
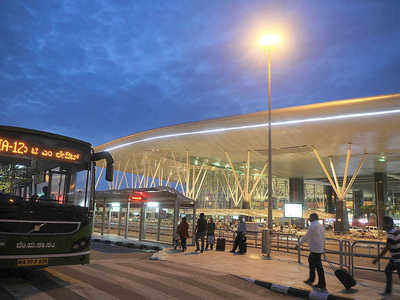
(98, 70)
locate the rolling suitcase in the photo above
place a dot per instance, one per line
(344, 277)
(220, 244)
(243, 245)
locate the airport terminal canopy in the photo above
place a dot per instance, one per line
(369, 124)
(221, 163)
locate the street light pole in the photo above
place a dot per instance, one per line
(269, 143)
(268, 41)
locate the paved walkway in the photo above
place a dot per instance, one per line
(282, 269)
(121, 273)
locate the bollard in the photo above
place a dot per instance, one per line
(298, 251)
(266, 244)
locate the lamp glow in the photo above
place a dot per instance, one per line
(269, 40)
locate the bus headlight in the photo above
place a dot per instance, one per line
(81, 244)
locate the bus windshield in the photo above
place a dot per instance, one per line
(44, 182)
(43, 169)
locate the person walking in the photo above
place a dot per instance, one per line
(201, 229)
(393, 245)
(183, 232)
(315, 237)
(210, 234)
(240, 233)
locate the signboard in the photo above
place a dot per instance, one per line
(293, 210)
(22, 148)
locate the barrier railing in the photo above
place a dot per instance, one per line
(364, 252)
(351, 255)
(347, 254)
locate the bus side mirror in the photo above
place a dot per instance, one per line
(109, 160)
(109, 172)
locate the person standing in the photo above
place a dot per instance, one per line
(201, 229)
(45, 196)
(315, 237)
(210, 234)
(183, 231)
(393, 245)
(240, 233)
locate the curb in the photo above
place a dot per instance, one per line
(142, 247)
(287, 290)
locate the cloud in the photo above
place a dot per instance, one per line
(98, 70)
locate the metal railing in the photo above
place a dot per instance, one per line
(352, 254)
(367, 250)
(347, 254)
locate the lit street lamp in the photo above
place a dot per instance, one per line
(268, 41)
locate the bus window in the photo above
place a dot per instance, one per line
(78, 193)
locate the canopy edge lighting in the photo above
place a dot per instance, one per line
(218, 130)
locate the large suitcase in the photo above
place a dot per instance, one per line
(243, 245)
(220, 244)
(344, 277)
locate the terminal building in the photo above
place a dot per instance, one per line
(339, 158)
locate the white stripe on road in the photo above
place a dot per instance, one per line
(177, 284)
(82, 288)
(218, 285)
(146, 291)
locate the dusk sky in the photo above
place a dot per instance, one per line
(99, 70)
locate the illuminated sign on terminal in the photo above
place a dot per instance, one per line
(23, 148)
(293, 210)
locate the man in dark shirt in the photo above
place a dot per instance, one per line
(393, 245)
(201, 229)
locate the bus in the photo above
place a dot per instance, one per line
(47, 186)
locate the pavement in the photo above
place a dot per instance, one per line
(281, 270)
(119, 273)
(280, 273)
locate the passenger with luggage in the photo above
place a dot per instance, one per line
(201, 229)
(210, 234)
(183, 233)
(315, 237)
(392, 245)
(240, 235)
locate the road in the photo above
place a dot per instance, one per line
(123, 273)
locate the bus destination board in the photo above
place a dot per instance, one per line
(22, 148)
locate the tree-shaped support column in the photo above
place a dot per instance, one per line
(342, 223)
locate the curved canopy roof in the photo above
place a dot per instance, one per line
(369, 124)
